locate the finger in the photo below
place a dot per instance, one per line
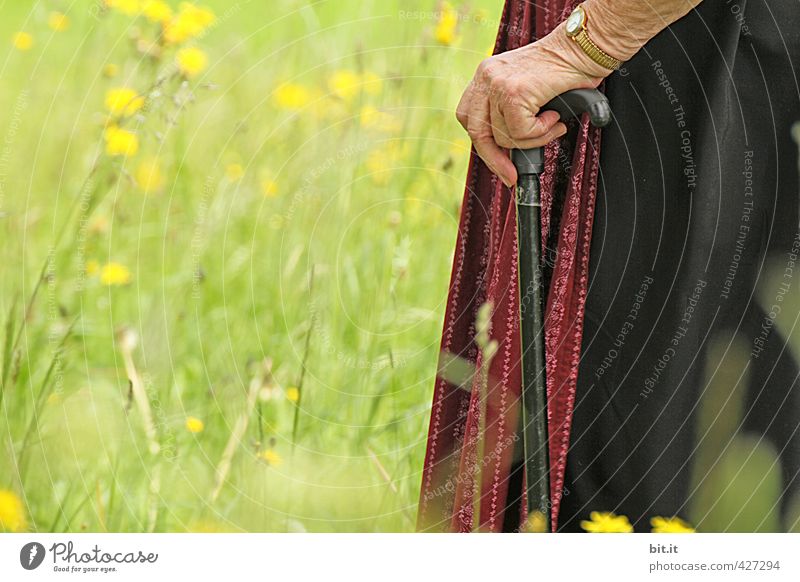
(480, 130)
(500, 131)
(462, 111)
(555, 132)
(525, 125)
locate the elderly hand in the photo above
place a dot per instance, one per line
(500, 107)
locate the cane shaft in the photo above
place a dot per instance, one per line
(534, 387)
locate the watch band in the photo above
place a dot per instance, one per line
(576, 29)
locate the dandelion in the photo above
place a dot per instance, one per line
(379, 162)
(606, 522)
(292, 394)
(149, 176)
(373, 84)
(269, 456)
(110, 71)
(194, 425)
(22, 41)
(92, 267)
(291, 96)
(120, 142)
(190, 22)
(156, 11)
(670, 525)
(344, 84)
(234, 172)
(114, 274)
(269, 188)
(58, 21)
(123, 102)
(127, 7)
(445, 32)
(191, 61)
(12, 513)
(372, 118)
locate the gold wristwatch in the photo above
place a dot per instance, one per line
(577, 31)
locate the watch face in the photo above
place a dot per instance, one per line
(575, 21)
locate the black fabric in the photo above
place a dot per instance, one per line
(709, 99)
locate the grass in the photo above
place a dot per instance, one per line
(357, 189)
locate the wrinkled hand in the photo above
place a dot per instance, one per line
(500, 107)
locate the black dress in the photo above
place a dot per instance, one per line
(694, 265)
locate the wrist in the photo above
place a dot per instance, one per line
(572, 54)
(610, 33)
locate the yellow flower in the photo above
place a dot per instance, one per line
(115, 274)
(445, 32)
(344, 84)
(373, 84)
(58, 21)
(291, 96)
(606, 522)
(194, 425)
(156, 11)
(92, 267)
(292, 394)
(12, 513)
(120, 142)
(670, 525)
(190, 22)
(380, 162)
(536, 523)
(110, 71)
(149, 176)
(123, 102)
(191, 61)
(270, 457)
(269, 188)
(234, 172)
(128, 7)
(374, 119)
(22, 41)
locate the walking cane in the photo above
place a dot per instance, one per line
(530, 164)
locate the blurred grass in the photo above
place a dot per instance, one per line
(220, 272)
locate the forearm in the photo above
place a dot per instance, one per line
(620, 28)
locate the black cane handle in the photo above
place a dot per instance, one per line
(570, 104)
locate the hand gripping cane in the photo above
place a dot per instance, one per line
(529, 164)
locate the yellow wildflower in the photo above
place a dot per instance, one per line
(269, 188)
(92, 267)
(292, 394)
(606, 522)
(194, 425)
(372, 118)
(291, 96)
(22, 41)
(191, 61)
(670, 525)
(536, 523)
(380, 161)
(156, 11)
(234, 172)
(445, 32)
(128, 7)
(123, 102)
(344, 84)
(110, 71)
(148, 175)
(120, 142)
(115, 274)
(373, 84)
(12, 513)
(190, 22)
(58, 21)
(272, 458)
